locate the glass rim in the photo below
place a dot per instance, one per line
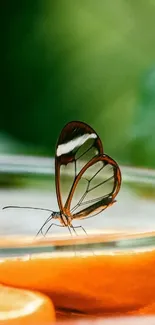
(105, 243)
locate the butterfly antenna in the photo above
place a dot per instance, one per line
(19, 207)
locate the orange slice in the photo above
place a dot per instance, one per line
(114, 282)
(19, 306)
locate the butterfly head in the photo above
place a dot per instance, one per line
(55, 215)
(63, 218)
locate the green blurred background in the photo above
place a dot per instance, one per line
(89, 60)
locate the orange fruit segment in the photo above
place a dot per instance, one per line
(18, 306)
(114, 282)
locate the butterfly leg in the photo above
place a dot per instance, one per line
(53, 224)
(85, 233)
(41, 229)
(69, 230)
(74, 230)
(79, 227)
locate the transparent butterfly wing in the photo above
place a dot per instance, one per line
(78, 143)
(95, 187)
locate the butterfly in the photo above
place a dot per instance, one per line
(87, 180)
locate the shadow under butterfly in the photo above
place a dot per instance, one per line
(87, 180)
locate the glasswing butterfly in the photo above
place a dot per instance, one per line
(87, 180)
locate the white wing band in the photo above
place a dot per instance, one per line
(75, 143)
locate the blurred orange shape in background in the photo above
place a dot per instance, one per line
(18, 306)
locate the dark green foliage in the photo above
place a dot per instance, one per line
(64, 60)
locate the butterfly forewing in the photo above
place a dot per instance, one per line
(78, 143)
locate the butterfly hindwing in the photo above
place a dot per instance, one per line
(95, 187)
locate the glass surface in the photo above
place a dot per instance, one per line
(30, 182)
(108, 272)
